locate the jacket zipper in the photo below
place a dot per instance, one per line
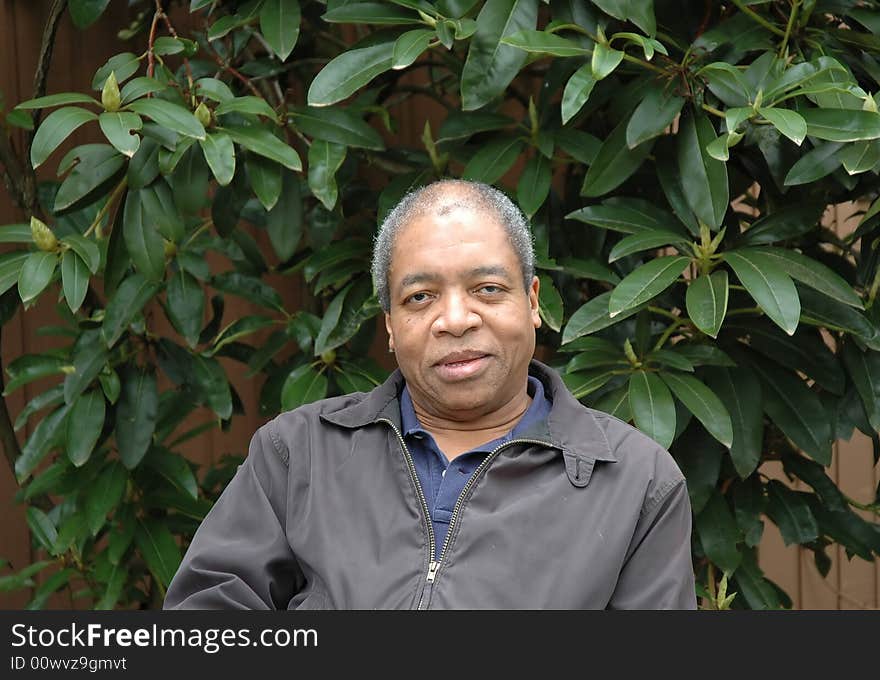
(432, 545)
(434, 565)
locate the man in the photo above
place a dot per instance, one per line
(470, 479)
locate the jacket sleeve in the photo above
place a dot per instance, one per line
(240, 557)
(658, 572)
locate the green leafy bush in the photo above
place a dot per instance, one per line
(676, 159)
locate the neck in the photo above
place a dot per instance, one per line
(469, 426)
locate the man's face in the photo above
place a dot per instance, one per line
(460, 322)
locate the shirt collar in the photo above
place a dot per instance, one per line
(410, 425)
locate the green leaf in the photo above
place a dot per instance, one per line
(604, 61)
(285, 219)
(703, 354)
(89, 357)
(789, 123)
(590, 269)
(652, 116)
(213, 384)
(16, 233)
(117, 129)
(409, 47)
(795, 409)
(337, 125)
(186, 305)
(74, 279)
(110, 385)
(171, 116)
(190, 181)
(87, 250)
(577, 91)
(353, 305)
(262, 142)
(534, 184)
(791, 513)
(325, 158)
(614, 163)
(348, 72)
(104, 495)
(813, 274)
(493, 160)
(840, 125)
(249, 288)
(174, 468)
(864, 370)
(142, 240)
(57, 100)
(646, 282)
(57, 127)
(827, 313)
(160, 209)
(140, 87)
(704, 178)
(124, 65)
(51, 397)
(703, 403)
(131, 295)
(582, 383)
(861, 156)
(718, 533)
(671, 358)
(706, 301)
(238, 329)
(23, 578)
(136, 414)
(769, 285)
(645, 240)
(727, 83)
(814, 474)
(265, 178)
(490, 64)
(593, 316)
(159, 550)
(42, 529)
(815, 164)
(460, 125)
(30, 367)
(543, 42)
(699, 458)
(627, 215)
(99, 165)
(279, 24)
(220, 155)
(256, 106)
(369, 13)
(45, 436)
(550, 303)
(35, 274)
(303, 386)
(86, 12)
(652, 407)
(615, 403)
(785, 223)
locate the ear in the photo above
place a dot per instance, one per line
(390, 332)
(533, 301)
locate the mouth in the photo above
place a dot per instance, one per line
(460, 365)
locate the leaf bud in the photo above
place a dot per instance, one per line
(169, 247)
(43, 236)
(203, 114)
(110, 97)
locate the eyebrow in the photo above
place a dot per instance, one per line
(428, 277)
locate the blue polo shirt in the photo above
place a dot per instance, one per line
(443, 481)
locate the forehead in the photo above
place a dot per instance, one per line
(451, 232)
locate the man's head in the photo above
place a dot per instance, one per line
(453, 267)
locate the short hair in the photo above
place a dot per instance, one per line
(434, 198)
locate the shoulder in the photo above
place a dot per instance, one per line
(640, 456)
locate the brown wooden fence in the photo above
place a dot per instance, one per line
(851, 584)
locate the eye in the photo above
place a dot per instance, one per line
(416, 298)
(490, 289)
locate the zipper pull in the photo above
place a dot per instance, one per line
(432, 571)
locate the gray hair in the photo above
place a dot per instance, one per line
(435, 198)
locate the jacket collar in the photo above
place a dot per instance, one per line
(570, 427)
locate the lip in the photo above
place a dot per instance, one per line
(461, 365)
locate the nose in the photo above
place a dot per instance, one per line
(456, 315)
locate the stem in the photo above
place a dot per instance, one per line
(645, 64)
(106, 208)
(668, 332)
(791, 17)
(151, 57)
(189, 74)
(758, 18)
(663, 312)
(745, 310)
(713, 111)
